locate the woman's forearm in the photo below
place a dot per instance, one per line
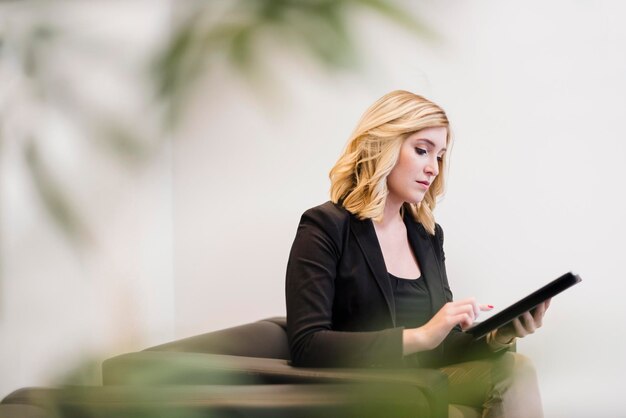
(415, 340)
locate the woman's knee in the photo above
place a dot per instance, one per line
(516, 386)
(523, 365)
(514, 367)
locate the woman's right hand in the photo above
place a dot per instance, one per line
(431, 334)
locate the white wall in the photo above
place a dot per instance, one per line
(536, 97)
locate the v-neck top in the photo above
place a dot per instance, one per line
(412, 301)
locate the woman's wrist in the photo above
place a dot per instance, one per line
(414, 340)
(500, 341)
(410, 341)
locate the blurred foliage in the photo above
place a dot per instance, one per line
(238, 32)
(36, 87)
(55, 200)
(235, 32)
(188, 385)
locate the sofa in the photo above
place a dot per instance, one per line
(242, 371)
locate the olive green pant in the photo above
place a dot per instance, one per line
(502, 387)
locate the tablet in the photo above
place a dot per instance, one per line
(528, 303)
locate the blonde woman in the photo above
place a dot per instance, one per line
(366, 280)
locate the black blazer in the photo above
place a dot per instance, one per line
(340, 305)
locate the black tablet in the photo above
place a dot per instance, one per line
(528, 303)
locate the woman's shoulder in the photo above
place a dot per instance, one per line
(438, 231)
(330, 217)
(328, 212)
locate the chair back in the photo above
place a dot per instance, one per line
(266, 338)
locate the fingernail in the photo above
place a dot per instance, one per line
(490, 306)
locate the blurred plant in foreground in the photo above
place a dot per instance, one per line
(44, 59)
(238, 33)
(60, 94)
(61, 81)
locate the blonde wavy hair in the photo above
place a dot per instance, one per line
(359, 178)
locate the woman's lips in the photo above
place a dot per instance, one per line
(425, 184)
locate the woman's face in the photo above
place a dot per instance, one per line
(417, 165)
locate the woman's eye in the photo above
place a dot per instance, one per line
(440, 159)
(420, 151)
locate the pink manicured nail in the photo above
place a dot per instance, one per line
(490, 306)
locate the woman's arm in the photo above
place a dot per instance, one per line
(310, 293)
(433, 333)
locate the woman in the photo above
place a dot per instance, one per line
(366, 279)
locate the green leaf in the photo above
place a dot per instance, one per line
(54, 199)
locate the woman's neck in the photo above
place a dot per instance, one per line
(391, 214)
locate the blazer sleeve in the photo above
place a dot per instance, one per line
(458, 346)
(310, 294)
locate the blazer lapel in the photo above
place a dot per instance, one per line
(421, 243)
(365, 234)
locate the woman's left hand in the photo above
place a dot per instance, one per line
(523, 325)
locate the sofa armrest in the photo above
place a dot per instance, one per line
(266, 338)
(159, 368)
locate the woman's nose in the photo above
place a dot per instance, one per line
(432, 168)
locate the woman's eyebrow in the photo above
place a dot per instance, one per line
(431, 143)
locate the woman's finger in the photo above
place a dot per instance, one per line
(463, 301)
(463, 309)
(472, 303)
(538, 312)
(485, 307)
(464, 320)
(520, 331)
(529, 322)
(475, 307)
